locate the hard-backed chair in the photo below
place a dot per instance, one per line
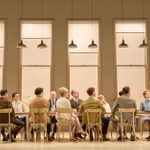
(124, 121)
(143, 120)
(63, 124)
(6, 124)
(37, 126)
(94, 122)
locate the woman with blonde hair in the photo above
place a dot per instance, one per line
(64, 102)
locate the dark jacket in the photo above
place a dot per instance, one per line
(75, 105)
(6, 104)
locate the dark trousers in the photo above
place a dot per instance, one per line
(19, 124)
(52, 127)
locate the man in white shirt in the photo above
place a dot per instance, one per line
(52, 108)
(19, 106)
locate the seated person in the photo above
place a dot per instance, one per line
(5, 103)
(93, 103)
(125, 101)
(52, 108)
(63, 102)
(19, 106)
(75, 101)
(42, 103)
(145, 106)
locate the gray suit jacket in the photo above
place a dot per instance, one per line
(124, 102)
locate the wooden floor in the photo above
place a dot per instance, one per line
(128, 145)
(78, 145)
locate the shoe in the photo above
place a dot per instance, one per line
(125, 137)
(12, 140)
(5, 138)
(83, 133)
(91, 137)
(79, 135)
(119, 138)
(73, 139)
(106, 139)
(132, 138)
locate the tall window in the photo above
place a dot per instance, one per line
(131, 61)
(36, 62)
(83, 61)
(1, 52)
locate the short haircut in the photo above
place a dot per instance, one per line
(3, 92)
(38, 91)
(62, 91)
(126, 89)
(72, 92)
(90, 90)
(144, 93)
(14, 94)
(120, 93)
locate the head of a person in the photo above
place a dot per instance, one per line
(53, 95)
(38, 91)
(16, 96)
(120, 93)
(101, 98)
(75, 94)
(4, 94)
(146, 94)
(126, 90)
(63, 92)
(91, 91)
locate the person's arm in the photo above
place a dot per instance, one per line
(81, 107)
(115, 107)
(142, 108)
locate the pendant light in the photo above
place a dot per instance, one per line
(42, 45)
(92, 45)
(122, 44)
(143, 44)
(21, 44)
(72, 44)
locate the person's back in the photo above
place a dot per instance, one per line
(42, 104)
(6, 104)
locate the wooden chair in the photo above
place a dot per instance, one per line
(125, 124)
(64, 123)
(7, 124)
(37, 126)
(143, 120)
(94, 122)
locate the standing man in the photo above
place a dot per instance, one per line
(52, 108)
(75, 101)
(5, 103)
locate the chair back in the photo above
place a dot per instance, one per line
(39, 114)
(5, 113)
(93, 116)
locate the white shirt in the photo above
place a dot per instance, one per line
(19, 106)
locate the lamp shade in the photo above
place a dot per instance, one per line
(72, 44)
(21, 45)
(123, 44)
(42, 45)
(143, 45)
(92, 45)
